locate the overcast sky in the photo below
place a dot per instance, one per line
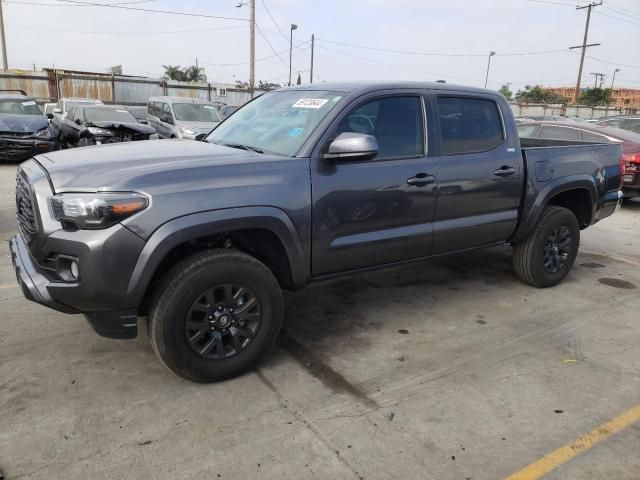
(94, 38)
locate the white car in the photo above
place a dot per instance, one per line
(65, 104)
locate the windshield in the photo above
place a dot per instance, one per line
(70, 105)
(19, 107)
(108, 115)
(195, 112)
(276, 122)
(138, 112)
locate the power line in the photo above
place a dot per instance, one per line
(433, 54)
(22, 27)
(618, 18)
(613, 6)
(58, 5)
(271, 47)
(613, 63)
(273, 20)
(257, 59)
(150, 10)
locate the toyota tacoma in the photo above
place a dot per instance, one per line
(301, 184)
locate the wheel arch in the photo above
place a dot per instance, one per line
(577, 193)
(265, 232)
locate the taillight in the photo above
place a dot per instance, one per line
(631, 158)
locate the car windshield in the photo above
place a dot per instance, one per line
(277, 122)
(195, 112)
(108, 115)
(19, 107)
(138, 112)
(70, 105)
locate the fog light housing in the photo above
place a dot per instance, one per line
(74, 269)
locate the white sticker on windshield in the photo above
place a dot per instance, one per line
(209, 107)
(28, 103)
(310, 103)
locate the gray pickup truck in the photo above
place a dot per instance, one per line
(301, 184)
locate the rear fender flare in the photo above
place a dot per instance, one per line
(191, 227)
(533, 207)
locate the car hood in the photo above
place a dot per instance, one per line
(136, 127)
(146, 165)
(22, 123)
(200, 127)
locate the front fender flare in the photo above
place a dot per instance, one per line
(191, 227)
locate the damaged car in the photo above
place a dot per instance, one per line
(99, 124)
(24, 130)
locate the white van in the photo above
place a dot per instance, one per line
(182, 117)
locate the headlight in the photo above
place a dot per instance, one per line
(187, 131)
(99, 131)
(91, 211)
(44, 133)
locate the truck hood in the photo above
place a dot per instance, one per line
(140, 165)
(22, 123)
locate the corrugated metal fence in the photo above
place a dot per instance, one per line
(49, 85)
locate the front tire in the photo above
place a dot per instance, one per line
(214, 315)
(547, 255)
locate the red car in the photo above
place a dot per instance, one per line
(583, 132)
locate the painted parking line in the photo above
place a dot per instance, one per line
(578, 446)
(612, 257)
(9, 286)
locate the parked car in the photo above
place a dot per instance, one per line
(629, 141)
(48, 110)
(64, 104)
(182, 117)
(295, 187)
(626, 122)
(87, 125)
(140, 113)
(227, 110)
(24, 131)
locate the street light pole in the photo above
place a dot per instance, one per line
(486, 78)
(252, 46)
(293, 27)
(614, 78)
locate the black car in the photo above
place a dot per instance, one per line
(98, 124)
(24, 130)
(140, 113)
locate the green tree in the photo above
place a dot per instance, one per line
(596, 96)
(537, 94)
(195, 74)
(504, 90)
(174, 72)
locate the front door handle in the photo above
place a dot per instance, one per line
(505, 171)
(421, 179)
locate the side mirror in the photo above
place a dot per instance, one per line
(57, 110)
(352, 146)
(78, 121)
(49, 115)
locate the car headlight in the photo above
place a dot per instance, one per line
(44, 133)
(92, 211)
(99, 131)
(187, 131)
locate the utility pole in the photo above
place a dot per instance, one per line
(598, 76)
(5, 64)
(252, 46)
(584, 47)
(313, 40)
(614, 78)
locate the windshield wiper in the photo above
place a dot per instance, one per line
(243, 147)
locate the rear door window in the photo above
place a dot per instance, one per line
(468, 125)
(594, 137)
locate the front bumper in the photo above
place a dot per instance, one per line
(107, 310)
(19, 150)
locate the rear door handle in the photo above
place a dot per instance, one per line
(421, 179)
(505, 171)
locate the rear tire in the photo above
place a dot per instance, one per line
(201, 335)
(545, 257)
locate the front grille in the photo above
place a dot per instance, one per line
(25, 212)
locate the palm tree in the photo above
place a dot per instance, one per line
(195, 74)
(174, 72)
